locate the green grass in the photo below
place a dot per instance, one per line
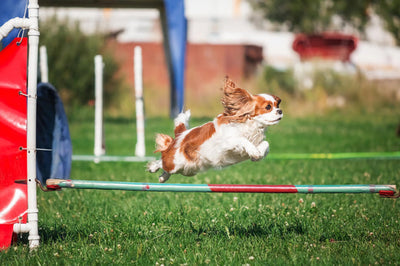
(113, 227)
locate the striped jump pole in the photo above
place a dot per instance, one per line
(383, 190)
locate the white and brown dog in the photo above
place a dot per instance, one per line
(233, 136)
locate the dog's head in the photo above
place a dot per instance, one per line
(240, 105)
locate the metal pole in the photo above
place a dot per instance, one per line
(388, 190)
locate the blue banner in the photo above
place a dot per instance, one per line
(10, 9)
(177, 32)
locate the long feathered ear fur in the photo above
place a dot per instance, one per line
(163, 142)
(238, 103)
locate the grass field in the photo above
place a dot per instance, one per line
(112, 227)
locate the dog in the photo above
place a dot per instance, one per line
(236, 135)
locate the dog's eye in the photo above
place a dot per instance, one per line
(268, 107)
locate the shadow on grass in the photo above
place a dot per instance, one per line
(47, 235)
(53, 234)
(254, 230)
(60, 233)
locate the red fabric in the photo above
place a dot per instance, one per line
(6, 233)
(13, 110)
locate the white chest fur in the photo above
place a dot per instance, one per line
(252, 131)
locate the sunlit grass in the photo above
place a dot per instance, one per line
(114, 227)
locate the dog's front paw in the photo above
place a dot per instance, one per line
(263, 147)
(256, 156)
(262, 151)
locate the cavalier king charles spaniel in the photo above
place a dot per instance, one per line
(232, 137)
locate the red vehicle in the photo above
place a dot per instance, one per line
(330, 46)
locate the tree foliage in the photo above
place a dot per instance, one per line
(71, 61)
(389, 10)
(311, 16)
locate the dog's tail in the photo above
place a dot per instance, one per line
(181, 123)
(182, 118)
(163, 142)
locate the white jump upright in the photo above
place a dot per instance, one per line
(140, 149)
(99, 138)
(44, 70)
(33, 41)
(99, 147)
(31, 23)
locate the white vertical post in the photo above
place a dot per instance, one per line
(140, 150)
(99, 148)
(31, 123)
(44, 70)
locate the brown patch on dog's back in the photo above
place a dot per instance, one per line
(192, 141)
(179, 129)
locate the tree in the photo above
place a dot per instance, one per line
(313, 16)
(71, 61)
(389, 11)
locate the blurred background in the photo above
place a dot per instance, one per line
(318, 56)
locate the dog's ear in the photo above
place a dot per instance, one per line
(163, 142)
(235, 99)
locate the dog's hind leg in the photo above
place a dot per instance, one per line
(154, 166)
(164, 177)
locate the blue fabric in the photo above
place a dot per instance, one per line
(52, 132)
(177, 31)
(10, 9)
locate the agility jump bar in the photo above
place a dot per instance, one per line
(394, 155)
(333, 156)
(111, 158)
(383, 190)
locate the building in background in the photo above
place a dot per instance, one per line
(222, 39)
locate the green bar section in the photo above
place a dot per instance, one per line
(275, 156)
(346, 155)
(111, 158)
(344, 188)
(132, 186)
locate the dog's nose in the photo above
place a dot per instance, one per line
(279, 111)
